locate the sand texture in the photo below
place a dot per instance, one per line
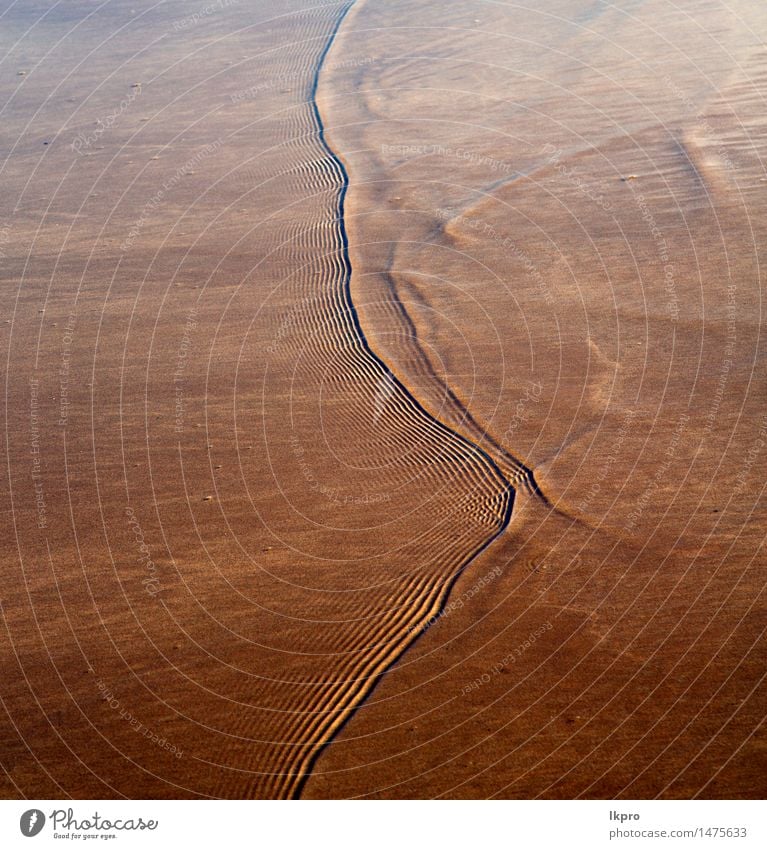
(384, 400)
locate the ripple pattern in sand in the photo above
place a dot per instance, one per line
(456, 498)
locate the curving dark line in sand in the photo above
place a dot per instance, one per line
(524, 474)
(473, 491)
(517, 472)
(312, 760)
(346, 261)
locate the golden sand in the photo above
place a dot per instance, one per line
(384, 402)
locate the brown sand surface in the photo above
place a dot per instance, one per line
(507, 449)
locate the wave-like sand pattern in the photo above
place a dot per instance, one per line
(467, 499)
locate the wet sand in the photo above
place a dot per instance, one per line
(386, 376)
